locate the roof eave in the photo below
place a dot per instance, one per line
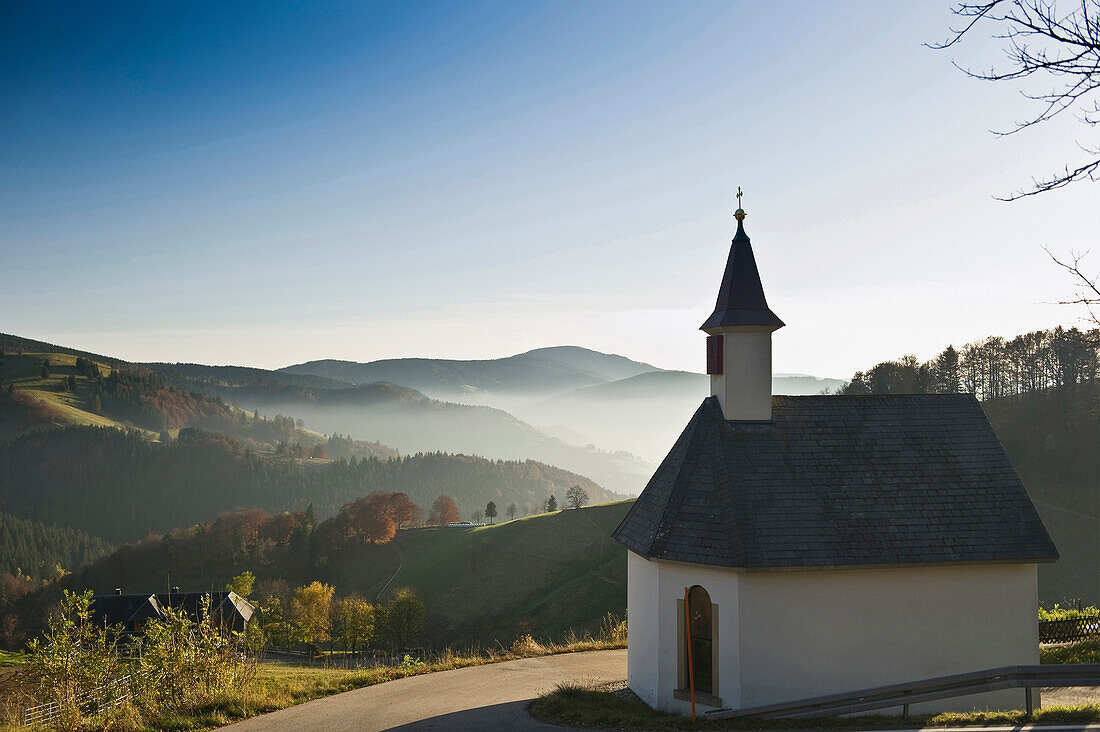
(745, 320)
(763, 568)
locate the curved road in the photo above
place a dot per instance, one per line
(481, 698)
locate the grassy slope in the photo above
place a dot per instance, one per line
(66, 407)
(548, 573)
(73, 408)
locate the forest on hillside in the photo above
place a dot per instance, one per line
(121, 486)
(31, 551)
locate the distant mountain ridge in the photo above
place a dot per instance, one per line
(541, 371)
(187, 374)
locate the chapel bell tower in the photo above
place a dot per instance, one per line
(739, 335)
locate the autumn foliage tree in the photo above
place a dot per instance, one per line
(370, 520)
(444, 511)
(311, 609)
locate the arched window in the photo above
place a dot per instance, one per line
(701, 638)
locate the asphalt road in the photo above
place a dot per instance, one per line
(481, 698)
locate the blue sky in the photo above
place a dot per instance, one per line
(271, 183)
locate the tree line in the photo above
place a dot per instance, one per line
(313, 614)
(991, 368)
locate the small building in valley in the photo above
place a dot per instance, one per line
(230, 611)
(824, 544)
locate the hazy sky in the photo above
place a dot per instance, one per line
(274, 183)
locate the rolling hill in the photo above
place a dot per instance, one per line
(121, 486)
(412, 422)
(58, 389)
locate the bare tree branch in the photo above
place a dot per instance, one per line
(1042, 42)
(1089, 292)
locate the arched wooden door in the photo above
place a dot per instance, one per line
(701, 639)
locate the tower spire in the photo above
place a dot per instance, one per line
(741, 300)
(739, 350)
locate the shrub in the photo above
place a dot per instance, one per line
(613, 629)
(70, 663)
(185, 661)
(1057, 612)
(412, 665)
(526, 645)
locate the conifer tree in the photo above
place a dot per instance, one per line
(311, 519)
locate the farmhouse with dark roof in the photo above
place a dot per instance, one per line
(228, 610)
(824, 544)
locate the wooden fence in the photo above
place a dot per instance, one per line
(99, 699)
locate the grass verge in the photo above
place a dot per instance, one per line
(1081, 652)
(276, 686)
(576, 705)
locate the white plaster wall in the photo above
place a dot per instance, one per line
(810, 633)
(745, 389)
(722, 587)
(642, 630)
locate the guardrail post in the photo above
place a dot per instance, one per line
(905, 711)
(1029, 699)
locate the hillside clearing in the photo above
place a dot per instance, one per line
(546, 574)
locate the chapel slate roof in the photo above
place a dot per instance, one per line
(838, 481)
(741, 300)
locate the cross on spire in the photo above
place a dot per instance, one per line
(739, 214)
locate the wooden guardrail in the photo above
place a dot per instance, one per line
(1072, 629)
(941, 687)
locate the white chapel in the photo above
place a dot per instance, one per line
(824, 544)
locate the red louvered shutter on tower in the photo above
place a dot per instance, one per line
(714, 354)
